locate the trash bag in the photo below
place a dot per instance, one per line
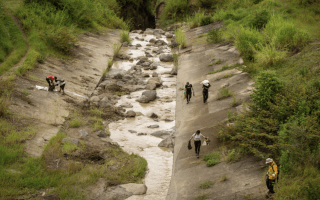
(189, 145)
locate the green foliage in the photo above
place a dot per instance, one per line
(225, 76)
(180, 37)
(75, 123)
(175, 9)
(69, 147)
(224, 93)
(233, 155)
(116, 49)
(206, 184)
(234, 102)
(313, 191)
(245, 40)
(214, 36)
(260, 19)
(212, 158)
(176, 60)
(12, 43)
(124, 37)
(267, 87)
(202, 197)
(226, 67)
(206, 20)
(223, 178)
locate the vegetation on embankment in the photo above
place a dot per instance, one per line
(12, 43)
(279, 41)
(52, 28)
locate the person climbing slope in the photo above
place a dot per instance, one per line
(205, 85)
(61, 82)
(188, 90)
(197, 141)
(50, 80)
(272, 174)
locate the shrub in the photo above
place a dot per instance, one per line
(260, 19)
(175, 9)
(233, 155)
(269, 54)
(116, 49)
(212, 158)
(206, 184)
(75, 123)
(214, 36)
(180, 37)
(125, 37)
(224, 93)
(206, 20)
(245, 40)
(267, 86)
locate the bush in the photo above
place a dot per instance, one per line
(180, 37)
(206, 184)
(214, 36)
(175, 9)
(267, 86)
(224, 93)
(76, 123)
(260, 19)
(206, 20)
(245, 40)
(125, 37)
(61, 39)
(269, 54)
(212, 158)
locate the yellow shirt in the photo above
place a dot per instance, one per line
(273, 169)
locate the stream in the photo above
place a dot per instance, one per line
(142, 143)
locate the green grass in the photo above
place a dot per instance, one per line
(225, 67)
(202, 197)
(225, 76)
(206, 184)
(75, 123)
(223, 178)
(124, 37)
(176, 60)
(224, 93)
(216, 62)
(235, 102)
(12, 43)
(180, 37)
(212, 158)
(110, 63)
(69, 147)
(116, 49)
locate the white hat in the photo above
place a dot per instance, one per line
(269, 160)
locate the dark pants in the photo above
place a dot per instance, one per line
(205, 96)
(188, 96)
(270, 185)
(48, 80)
(62, 87)
(197, 145)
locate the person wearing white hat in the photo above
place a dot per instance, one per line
(205, 85)
(271, 174)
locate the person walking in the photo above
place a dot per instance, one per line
(205, 92)
(60, 82)
(188, 90)
(50, 80)
(272, 174)
(197, 141)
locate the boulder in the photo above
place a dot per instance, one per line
(126, 105)
(151, 94)
(94, 99)
(158, 32)
(71, 141)
(154, 74)
(154, 65)
(153, 115)
(152, 40)
(134, 188)
(118, 76)
(139, 114)
(174, 71)
(153, 126)
(155, 80)
(168, 35)
(146, 75)
(83, 134)
(105, 104)
(125, 44)
(139, 134)
(167, 142)
(102, 134)
(151, 86)
(146, 64)
(132, 131)
(161, 134)
(149, 55)
(166, 57)
(131, 113)
(138, 45)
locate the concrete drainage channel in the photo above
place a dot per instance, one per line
(149, 108)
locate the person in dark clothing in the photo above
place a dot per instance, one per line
(50, 80)
(205, 92)
(61, 82)
(197, 141)
(188, 90)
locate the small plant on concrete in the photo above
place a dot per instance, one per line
(223, 178)
(116, 49)
(181, 37)
(226, 67)
(76, 123)
(216, 63)
(125, 37)
(234, 102)
(224, 76)
(212, 158)
(202, 197)
(175, 60)
(206, 184)
(110, 63)
(224, 93)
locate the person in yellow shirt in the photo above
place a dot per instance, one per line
(272, 174)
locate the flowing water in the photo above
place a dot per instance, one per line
(142, 143)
